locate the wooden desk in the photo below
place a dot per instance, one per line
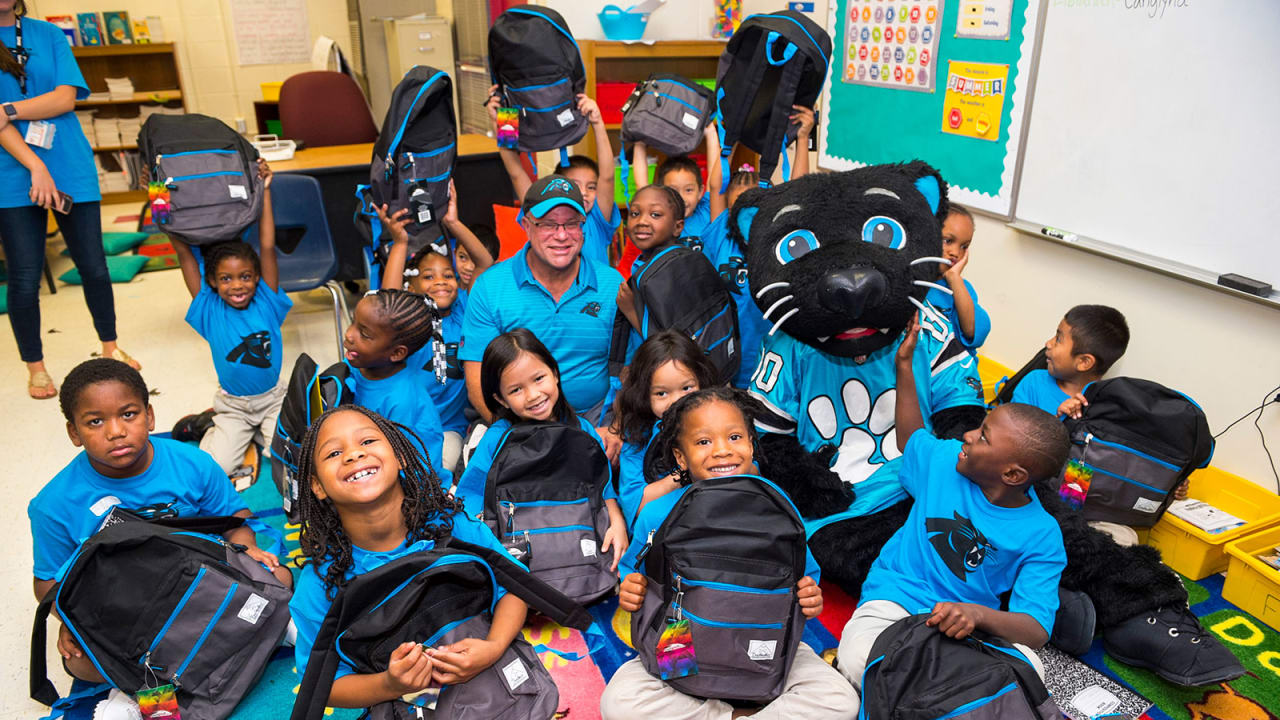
(479, 178)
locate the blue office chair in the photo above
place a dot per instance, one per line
(313, 262)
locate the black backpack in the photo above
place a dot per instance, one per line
(435, 598)
(668, 113)
(679, 289)
(413, 160)
(1136, 441)
(152, 603)
(211, 174)
(1006, 386)
(309, 395)
(535, 62)
(772, 62)
(727, 558)
(544, 500)
(915, 671)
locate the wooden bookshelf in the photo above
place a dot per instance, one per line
(153, 69)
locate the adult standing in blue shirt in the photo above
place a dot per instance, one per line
(567, 300)
(39, 85)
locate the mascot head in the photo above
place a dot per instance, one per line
(837, 260)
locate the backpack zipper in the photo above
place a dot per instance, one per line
(217, 615)
(648, 544)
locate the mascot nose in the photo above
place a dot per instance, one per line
(850, 291)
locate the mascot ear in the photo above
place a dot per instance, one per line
(743, 214)
(744, 220)
(929, 186)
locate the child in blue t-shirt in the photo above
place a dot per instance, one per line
(372, 499)
(710, 434)
(389, 326)
(959, 302)
(521, 383)
(594, 179)
(108, 413)
(432, 275)
(665, 368)
(681, 173)
(238, 308)
(976, 531)
(1088, 341)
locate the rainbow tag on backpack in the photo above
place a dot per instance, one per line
(508, 128)
(1076, 479)
(158, 194)
(676, 658)
(158, 702)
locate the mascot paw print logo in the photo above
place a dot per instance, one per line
(870, 442)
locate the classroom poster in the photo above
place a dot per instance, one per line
(892, 44)
(974, 100)
(984, 19)
(271, 32)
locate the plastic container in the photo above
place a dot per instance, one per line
(611, 96)
(1252, 585)
(271, 91)
(618, 196)
(708, 83)
(1198, 554)
(619, 24)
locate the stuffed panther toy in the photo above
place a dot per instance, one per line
(838, 263)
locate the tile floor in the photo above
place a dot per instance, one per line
(175, 363)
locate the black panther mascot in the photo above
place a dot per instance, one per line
(838, 264)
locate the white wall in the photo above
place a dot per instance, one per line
(676, 20)
(213, 81)
(1222, 351)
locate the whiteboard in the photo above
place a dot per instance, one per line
(271, 32)
(1156, 129)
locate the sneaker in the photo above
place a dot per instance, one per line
(191, 428)
(1075, 623)
(1171, 643)
(117, 706)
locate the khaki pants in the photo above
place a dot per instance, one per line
(868, 621)
(814, 691)
(239, 420)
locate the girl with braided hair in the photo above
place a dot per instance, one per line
(372, 498)
(389, 326)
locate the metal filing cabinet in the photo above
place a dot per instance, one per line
(420, 41)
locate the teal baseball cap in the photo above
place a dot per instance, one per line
(547, 193)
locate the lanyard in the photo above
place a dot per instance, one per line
(20, 55)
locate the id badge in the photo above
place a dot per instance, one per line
(40, 134)
(508, 128)
(676, 657)
(159, 702)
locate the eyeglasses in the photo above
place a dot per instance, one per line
(549, 228)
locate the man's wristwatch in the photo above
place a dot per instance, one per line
(10, 111)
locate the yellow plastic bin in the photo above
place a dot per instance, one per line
(1253, 585)
(991, 372)
(271, 91)
(1198, 554)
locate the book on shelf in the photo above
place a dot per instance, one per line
(90, 28)
(120, 88)
(119, 30)
(67, 24)
(156, 26)
(141, 33)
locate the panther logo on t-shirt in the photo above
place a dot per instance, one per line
(960, 545)
(253, 350)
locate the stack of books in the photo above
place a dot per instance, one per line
(106, 131)
(129, 129)
(86, 125)
(120, 88)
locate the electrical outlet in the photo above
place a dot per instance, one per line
(240, 125)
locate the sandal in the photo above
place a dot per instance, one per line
(40, 386)
(125, 358)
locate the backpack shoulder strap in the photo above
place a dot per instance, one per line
(618, 339)
(322, 665)
(524, 585)
(42, 690)
(1004, 390)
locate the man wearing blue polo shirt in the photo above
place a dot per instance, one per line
(567, 300)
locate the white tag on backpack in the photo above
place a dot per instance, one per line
(690, 121)
(515, 673)
(565, 117)
(588, 547)
(238, 192)
(252, 609)
(1146, 505)
(104, 504)
(761, 649)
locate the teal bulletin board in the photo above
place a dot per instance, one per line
(869, 124)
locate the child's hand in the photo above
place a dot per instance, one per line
(955, 620)
(463, 660)
(492, 104)
(264, 172)
(615, 538)
(612, 442)
(451, 212)
(1180, 492)
(589, 109)
(810, 597)
(803, 116)
(67, 645)
(1073, 407)
(631, 594)
(955, 270)
(395, 224)
(907, 349)
(409, 670)
(267, 559)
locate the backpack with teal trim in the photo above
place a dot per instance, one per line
(772, 62)
(668, 113)
(310, 393)
(412, 163)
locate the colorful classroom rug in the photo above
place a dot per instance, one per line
(159, 252)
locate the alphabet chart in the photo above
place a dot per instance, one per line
(892, 44)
